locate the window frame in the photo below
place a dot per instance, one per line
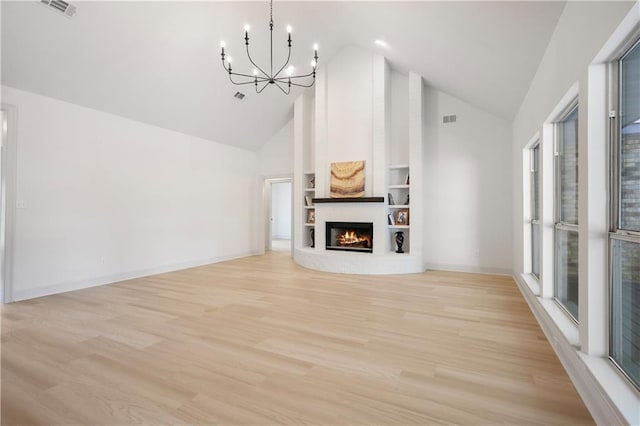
(616, 233)
(558, 224)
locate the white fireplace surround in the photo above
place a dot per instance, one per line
(381, 261)
(348, 118)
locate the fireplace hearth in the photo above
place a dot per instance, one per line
(350, 236)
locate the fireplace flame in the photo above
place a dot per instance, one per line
(349, 238)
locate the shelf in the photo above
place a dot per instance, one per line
(309, 224)
(349, 200)
(309, 189)
(309, 173)
(399, 226)
(309, 207)
(399, 186)
(399, 166)
(398, 206)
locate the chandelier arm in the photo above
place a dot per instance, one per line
(263, 87)
(287, 81)
(304, 75)
(254, 64)
(303, 85)
(283, 91)
(293, 77)
(252, 77)
(237, 73)
(243, 83)
(285, 64)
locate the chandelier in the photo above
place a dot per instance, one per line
(261, 78)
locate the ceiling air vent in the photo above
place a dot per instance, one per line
(60, 6)
(239, 96)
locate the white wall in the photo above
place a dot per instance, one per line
(281, 210)
(109, 198)
(349, 88)
(399, 145)
(581, 32)
(275, 158)
(467, 187)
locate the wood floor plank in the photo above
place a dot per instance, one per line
(260, 340)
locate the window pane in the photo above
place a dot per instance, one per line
(625, 326)
(535, 190)
(630, 141)
(535, 211)
(567, 270)
(535, 249)
(568, 168)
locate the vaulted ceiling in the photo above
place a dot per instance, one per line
(159, 63)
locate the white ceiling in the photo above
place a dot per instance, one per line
(159, 63)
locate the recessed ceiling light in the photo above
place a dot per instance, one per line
(381, 43)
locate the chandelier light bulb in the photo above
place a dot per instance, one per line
(290, 70)
(229, 59)
(255, 72)
(247, 28)
(314, 63)
(223, 44)
(315, 46)
(289, 29)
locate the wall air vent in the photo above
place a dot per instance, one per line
(239, 96)
(60, 6)
(449, 118)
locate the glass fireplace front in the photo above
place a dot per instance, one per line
(350, 236)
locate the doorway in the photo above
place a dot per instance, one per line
(279, 223)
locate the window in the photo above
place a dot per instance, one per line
(535, 210)
(566, 216)
(625, 229)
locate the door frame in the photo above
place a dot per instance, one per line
(268, 181)
(8, 177)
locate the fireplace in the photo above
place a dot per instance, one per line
(350, 236)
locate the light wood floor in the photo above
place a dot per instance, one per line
(263, 341)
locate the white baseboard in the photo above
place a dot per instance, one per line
(465, 268)
(603, 409)
(110, 279)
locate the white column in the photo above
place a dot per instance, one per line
(416, 95)
(381, 129)
(593, 245)
(298, 178)
(547, 218)
(381, 109)
(321, 143)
